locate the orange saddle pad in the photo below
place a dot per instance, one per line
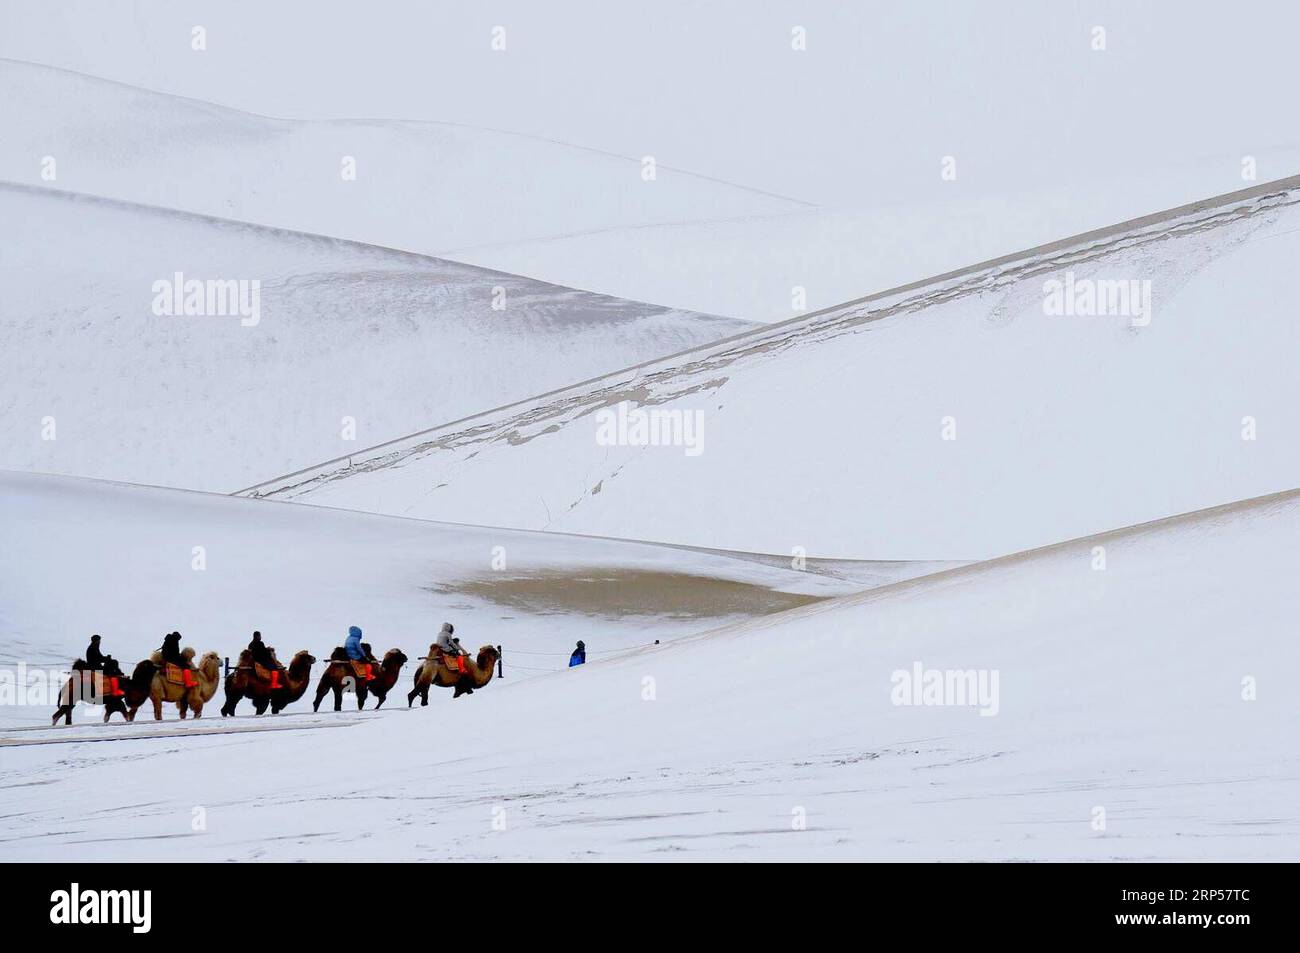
(174, 674)
(363, 670)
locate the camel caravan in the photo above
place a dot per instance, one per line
(170, 676)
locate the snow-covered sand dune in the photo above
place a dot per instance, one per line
(773, 267)
(352, 344)
(418, 186)
(1137, 712)
(83, 557)
(555, 211)
(953, 418)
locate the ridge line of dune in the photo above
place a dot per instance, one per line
(788, 329)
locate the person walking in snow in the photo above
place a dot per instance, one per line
(579, 655)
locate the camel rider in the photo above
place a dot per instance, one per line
(94, 657)
(353, 645)
(171, 650)
(261, 652)
(579, 655)
(447, 642)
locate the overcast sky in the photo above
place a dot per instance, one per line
(864, 114)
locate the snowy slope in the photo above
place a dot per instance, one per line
(836, 254)
(580, 217)
(86, 556)
(1121, 699)
(830, 432)
(388, 339)
(419, 186)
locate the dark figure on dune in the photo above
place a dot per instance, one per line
(579, 655)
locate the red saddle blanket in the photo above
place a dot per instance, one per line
(363, 670)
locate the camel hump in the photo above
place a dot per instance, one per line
(156, 656)
(339, 653)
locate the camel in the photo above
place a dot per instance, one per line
(339, 675)
(81, 686)
(206, 690)
(207, 676)
(478, 672)
(243, 682)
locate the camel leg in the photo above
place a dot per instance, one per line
(259, 705)
(338, 696)
(64, 712)
(157, 709)
(379, 700)
(321, 691)
(361, 697)
(196, 706)
(182, 708)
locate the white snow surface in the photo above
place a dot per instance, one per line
(827, 433)
(348, 335)
(1122, 691)
(419, 186)
(772, 267)
(561, 212)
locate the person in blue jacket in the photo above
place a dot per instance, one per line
(353, 645)
(579, 654)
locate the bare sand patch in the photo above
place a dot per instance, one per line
(615, 593)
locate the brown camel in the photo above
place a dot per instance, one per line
(187, 698)
(339, 675)
(478, 672)
(244, 682)
(97, 689)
